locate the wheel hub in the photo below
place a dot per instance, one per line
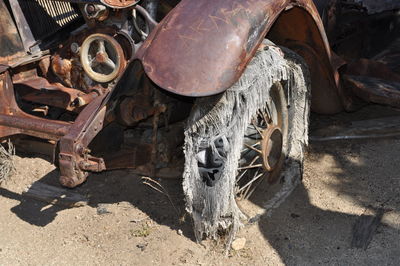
(271, 147)
(101, 57)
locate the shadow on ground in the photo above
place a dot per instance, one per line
(109, 188)
(341, 181)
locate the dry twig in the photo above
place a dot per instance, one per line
(159, 188)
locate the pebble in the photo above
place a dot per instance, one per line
(142, 247)
(238, 243)
(180, 232)
(101, 209)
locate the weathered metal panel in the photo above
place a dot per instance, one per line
(10, 42)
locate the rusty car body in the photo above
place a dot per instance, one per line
(74, 75)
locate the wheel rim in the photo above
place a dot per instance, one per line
(264, 146)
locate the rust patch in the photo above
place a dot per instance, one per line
(119, 3)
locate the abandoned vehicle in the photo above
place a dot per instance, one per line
(218, 92)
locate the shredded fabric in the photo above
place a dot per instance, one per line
(223, 119)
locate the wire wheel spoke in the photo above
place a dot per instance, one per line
(246, 149)
(252, 148)
(250, 182)
(258, 130)
(265, 115)
(251, 172)
(250, 175)
(263, 143)
(250, 167)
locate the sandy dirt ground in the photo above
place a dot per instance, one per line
(128, 223)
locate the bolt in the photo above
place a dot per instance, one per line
(75, 47)
(90, 9)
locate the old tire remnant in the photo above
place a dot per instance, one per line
(214, 137)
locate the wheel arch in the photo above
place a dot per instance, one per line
(307, 38)
(201, 48)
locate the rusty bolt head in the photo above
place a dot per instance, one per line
(90, 9)
(74, 47)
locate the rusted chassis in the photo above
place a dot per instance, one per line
(72, 138)
(200, 48)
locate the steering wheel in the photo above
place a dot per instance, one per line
(102, 57)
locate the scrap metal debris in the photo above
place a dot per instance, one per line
(375, 90)
(366, 34)
(363, 129)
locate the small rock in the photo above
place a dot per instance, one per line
(180, 232)
(239, 243)
(86, 237)
(294, 215)
(101, 209)
(142, 247)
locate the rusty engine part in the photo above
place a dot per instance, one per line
(98, 12)
(57, 81)
(90, 57)
(62, 68)
(134, 109)
(366, 34)
(64, 94)
(376, 90)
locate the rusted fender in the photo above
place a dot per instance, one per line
(202, 47)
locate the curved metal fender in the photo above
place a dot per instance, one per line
(202, 47)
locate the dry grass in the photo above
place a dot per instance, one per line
(7, 167)
(159, 188)
(144, 231)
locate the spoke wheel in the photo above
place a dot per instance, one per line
(256, 130)
(102, 57)
(264, 145)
